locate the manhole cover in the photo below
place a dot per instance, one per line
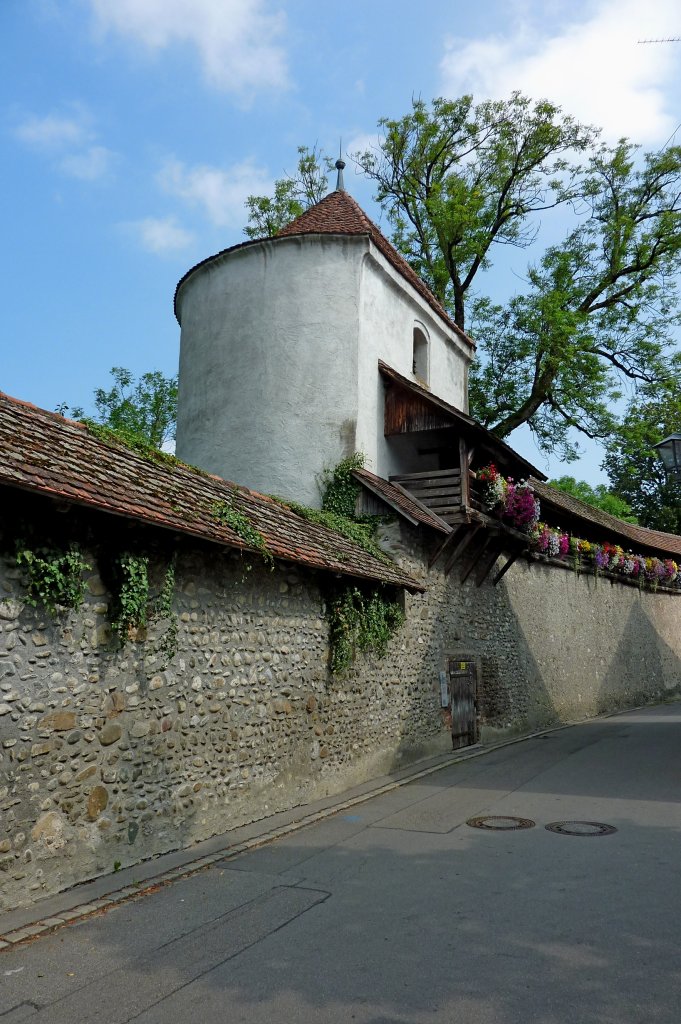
(500, 822)
(581, 828)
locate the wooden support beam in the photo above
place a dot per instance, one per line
(464, 472)
(488, 563)
(451, 538)
(474, 557)
(507, 566)
(469, 536)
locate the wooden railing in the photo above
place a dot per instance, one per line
(476, 494)
(439, 490)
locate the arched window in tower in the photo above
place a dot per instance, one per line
(420, 353)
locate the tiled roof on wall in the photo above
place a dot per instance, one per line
(44, 453)
(666, 543)
(339, 214)
(400, 500)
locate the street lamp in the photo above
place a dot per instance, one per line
(669, 451)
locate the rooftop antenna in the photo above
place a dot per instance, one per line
(340, 164)
(667, 39)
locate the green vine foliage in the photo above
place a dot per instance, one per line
(53, 578)
(339, 487)
(339, 500)
(360, 622)
(120, 437)
(357, 621)
(132, 595)
(226, 513)
(162, 609)
(361, 531)
(134, 609)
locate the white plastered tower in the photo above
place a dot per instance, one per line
(280, 344)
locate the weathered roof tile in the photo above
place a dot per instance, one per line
(656, 540)
(42, 452)
(401, 501)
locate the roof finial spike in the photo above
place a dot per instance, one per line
(340, 164)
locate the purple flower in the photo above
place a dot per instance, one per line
(521, 507)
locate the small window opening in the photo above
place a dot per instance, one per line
(420, 355)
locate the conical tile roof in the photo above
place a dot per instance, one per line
(339, 214)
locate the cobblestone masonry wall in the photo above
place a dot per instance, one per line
(108, 758)
(551, 645)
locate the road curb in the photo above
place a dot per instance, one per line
(128, 893)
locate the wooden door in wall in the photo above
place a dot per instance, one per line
(463, 702)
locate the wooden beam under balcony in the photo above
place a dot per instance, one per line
(474, 554)
(502, 572)
(487, 563)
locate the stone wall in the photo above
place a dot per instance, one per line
(108, 757)
(551, 646)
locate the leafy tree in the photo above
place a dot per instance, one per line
(597, 312)
(600, 308)
(146, 408)
(292, 195)
(599, 497)
(457, 179)
(631, 462)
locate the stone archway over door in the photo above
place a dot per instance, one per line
(463, 701)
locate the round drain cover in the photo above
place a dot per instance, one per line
(500, 822)
(581, 828)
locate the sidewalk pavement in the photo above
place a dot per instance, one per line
(132, 883)
(473, 887)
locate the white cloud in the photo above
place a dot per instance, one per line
(160, 235)
(594, 68)
(52, 131)
(237, 40)
(362, 142)
(91, 164)
(70, 141)
(220, 192)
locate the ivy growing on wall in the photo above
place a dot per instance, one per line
(359, 619)
(361, 531)
(360, 622)
(339, 487)
(54, 579)
(339, 501)
(134, 608)
(131, 594)
(162, 609)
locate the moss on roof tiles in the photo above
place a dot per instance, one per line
(45, 453)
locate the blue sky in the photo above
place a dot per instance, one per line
(131, 132)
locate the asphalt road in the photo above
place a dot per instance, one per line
(401, 912)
